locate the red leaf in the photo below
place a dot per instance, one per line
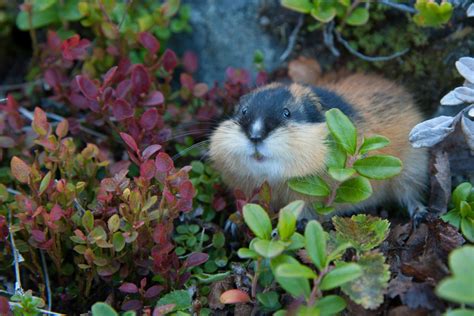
(109, 76)
(190, 61)
(56, 213)
(132, 305)
(149, 119)
(87, 87)
(123, 88)
(148, 169)
(128, 288)
(75, 48)
(186, 190)
(6, 142)
(234, 296)
(149, 42)
(54, 41)
(200, 90)
(62, 128)
(150, 151)
(153, 291)
(140, 80)
(40, 122)
(122, 110)
(4, 306)
(163, 309)
(262, 78)
(52, 78)
(155, 98)
(169, 59)
(186, 81)
(196, 259)
(78, 100)
(20, 170)
(163, 163)
(238, 76)
(218, 203)
(129, 141)
(38, 235)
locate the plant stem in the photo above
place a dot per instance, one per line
(316, 292)
(255, 278)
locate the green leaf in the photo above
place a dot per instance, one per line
(331, 305)
(363, 232)
(295, 207)
(295, 270)
(44, 183)
(313, 186)
(257, 220)
(70, 11)
(378, 167)
(269, 300)
(315, 242)
(343, 273)
(39, 18)
(113, 223)
(453, 217)
(296, 242)
(461, 193)
(246, 253)
(88, 220)
(359, 16)
(458, 290)
(103, 309)
(303, 6)
(339, 251)
(323, 15)
(268, 248)
(432, 14)
(342, 129)
(118, 241)
(354, 190)
(337, 155)
(295, 286)
(458, 287)
(465, 209)
(460, 312)
(286, 224)
(218, 240)
(368, 290)
(373, 143)
(211, 278)
(181, 298)
(467, 228)
(341, 174)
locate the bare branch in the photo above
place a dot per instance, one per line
(341, 40)
(328, 36)
(399, 6)
(46, 279)
(292, 39)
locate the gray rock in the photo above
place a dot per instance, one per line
(227, 33)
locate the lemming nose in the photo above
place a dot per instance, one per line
(256, 134)
(256, 138)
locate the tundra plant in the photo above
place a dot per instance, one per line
(273, 253)
(348, 166)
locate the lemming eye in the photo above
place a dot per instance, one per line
(286, 113)
(244, 110)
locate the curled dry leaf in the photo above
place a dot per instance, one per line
(304, 70)
(234, 296)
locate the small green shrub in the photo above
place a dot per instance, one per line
(348, 166)
(458, 287)
(461, 215)
(324, 270)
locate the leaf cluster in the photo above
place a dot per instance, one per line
(348, 165)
